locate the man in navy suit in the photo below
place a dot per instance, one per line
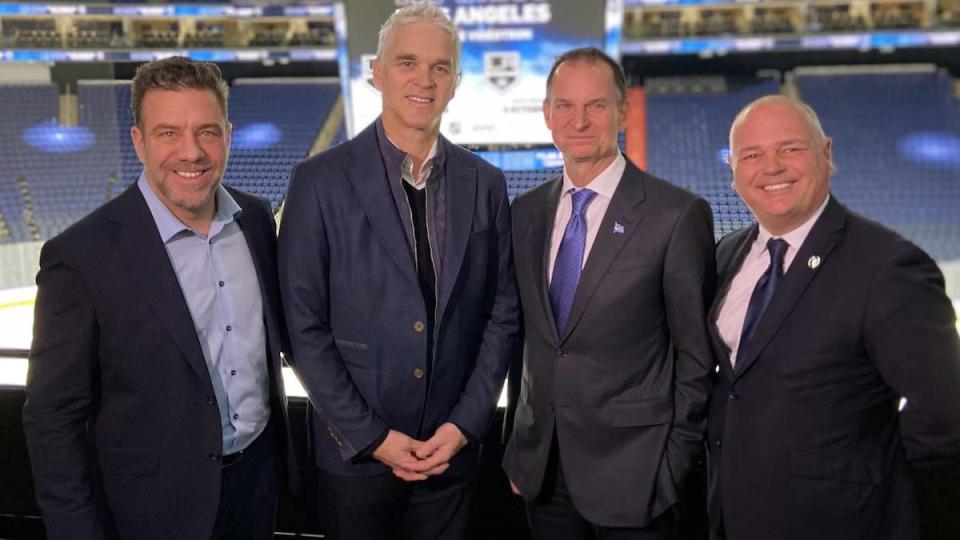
(823, 322)
(396, 272)
(155, 406)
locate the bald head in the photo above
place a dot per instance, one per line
(809, 116)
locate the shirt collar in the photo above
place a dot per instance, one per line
(169, 225)
(434, 157)
(605, 184)
(795, 237)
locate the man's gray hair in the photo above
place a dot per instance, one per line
(421, 12)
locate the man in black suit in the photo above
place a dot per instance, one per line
(615, 270)
(824, 321)
(155, 405)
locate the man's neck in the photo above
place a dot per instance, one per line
(581, 173)
(198, 221)
(414, 142)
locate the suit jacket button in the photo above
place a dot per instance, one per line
(561, 353)
(418, 327)
(417, 373)
(717, 443)
(211, 400)
(734, 395)
(214, 456)
(550, 407)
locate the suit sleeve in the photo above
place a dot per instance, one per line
(689, 280)
(61, 387)
(911, 336)
(501, 338)
(304, 266)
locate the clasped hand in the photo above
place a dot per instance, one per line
(413, 460)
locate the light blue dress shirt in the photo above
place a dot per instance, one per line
(219, 281)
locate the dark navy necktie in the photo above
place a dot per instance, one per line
(569, 261)
(762, 293)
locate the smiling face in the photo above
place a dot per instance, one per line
(781, 167)
(584, 114)
(183, 143)
(416, 77)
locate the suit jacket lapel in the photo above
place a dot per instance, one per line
(625, 209)
(728, 268)
(258, 245)
(461, 200)
(368, 178)
(142, 250)
(822, 238)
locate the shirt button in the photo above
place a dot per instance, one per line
(229, 328)
(236, 416)
(418, 326)
(233, 372)
(221, 284)
(418, 373)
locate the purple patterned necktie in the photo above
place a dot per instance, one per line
(569, 261)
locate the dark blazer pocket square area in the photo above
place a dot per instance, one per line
(351, 344)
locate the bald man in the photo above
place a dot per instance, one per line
(824, 320)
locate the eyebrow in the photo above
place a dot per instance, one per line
(162, 127)
(778, 143)
(403, 56)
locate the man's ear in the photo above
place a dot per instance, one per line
(377, 68)
(136, 136)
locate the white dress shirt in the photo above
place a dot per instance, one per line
(734, 308)
(605, 184)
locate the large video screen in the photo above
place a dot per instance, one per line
(508, 49)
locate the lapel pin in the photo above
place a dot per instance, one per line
(617, 228)
(813, 262)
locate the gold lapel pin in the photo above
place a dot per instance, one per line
(813, 262)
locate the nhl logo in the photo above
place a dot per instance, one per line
(501, 68)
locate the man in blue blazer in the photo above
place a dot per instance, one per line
(155, 405)
(395, 268)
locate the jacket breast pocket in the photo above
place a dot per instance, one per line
(623, 264)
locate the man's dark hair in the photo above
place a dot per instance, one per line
(592, 55)
(177, 73)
